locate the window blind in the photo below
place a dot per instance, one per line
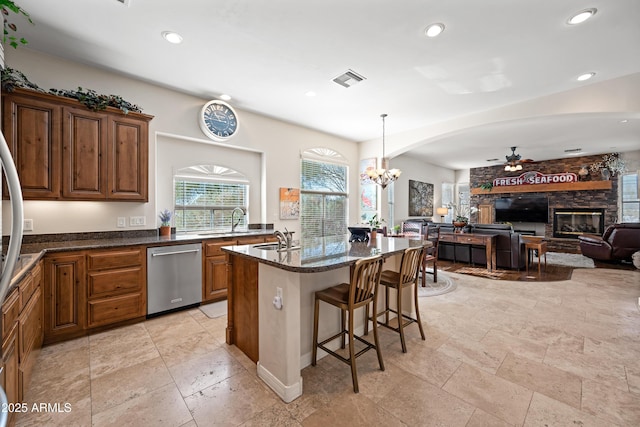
(202, 205)
(324, 199)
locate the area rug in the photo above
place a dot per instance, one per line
(444, 285)
(215, 309)
(568, 260)
(477, 271)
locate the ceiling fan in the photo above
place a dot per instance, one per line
(514, 161)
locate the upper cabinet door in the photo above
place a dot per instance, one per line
(128, 160)
(84, 154)
(32, 130)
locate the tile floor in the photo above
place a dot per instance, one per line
(497, 353)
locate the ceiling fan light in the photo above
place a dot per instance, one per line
(518, 167)
(507, 168)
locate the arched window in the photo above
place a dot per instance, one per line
(205, 196)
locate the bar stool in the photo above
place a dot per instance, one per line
(362, 291)
(408, 275)
(432, 234)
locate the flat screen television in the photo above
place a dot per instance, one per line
(522, 209)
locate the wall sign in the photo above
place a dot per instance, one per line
(534, 177)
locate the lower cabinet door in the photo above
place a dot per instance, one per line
(216, 273)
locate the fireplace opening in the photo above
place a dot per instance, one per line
(572, 222)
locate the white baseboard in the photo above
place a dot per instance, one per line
(286, 393)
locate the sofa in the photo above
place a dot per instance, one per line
(510, 250)
(617, 243)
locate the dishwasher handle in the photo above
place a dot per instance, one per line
(175, 252)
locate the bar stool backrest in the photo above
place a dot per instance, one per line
(365, 281)
(410, 264)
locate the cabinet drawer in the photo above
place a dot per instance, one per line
(213, 248)
(10, 312)
(111, 310)
(115, 282)
(114, 259)
(471, 240)
(27, 287)
(30, 325)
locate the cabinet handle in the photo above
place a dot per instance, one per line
(175, 253)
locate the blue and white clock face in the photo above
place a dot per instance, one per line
(218, 120)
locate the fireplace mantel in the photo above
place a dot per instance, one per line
(541, 188)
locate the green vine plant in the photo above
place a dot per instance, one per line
(488, 186)
(8, 6)
(12, 78)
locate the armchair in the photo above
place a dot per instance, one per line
(617, 243)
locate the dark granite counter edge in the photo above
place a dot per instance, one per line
(31, 253)
(292, 268)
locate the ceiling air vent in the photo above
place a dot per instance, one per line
(348, 78)
(125, 2)
(573, 150)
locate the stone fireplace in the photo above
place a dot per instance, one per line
(571, 222)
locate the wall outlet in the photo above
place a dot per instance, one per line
(137, 221)
(27, 225)
(122, 222)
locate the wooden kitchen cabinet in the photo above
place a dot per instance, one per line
(22, 334)
(64, 151)
(216, 270)
(32, 128)
(485, 214)
(84, 158)
(65, 298)
(116, 286)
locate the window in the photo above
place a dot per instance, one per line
(630, 199)
(448, 200)
(205, 197)
(324, 197)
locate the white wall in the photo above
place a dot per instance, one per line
(175, 113)
(418, 171)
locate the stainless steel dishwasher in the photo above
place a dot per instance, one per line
(174, 277)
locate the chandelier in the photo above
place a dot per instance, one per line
(383, 176)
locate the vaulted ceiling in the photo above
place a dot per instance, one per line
(493, 56)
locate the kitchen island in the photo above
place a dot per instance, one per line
(278, 337)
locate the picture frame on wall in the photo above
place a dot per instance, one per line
(289, 203)
(420, 198)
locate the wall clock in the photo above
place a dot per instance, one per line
(218, 120)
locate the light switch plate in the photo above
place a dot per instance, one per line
(122, 221)
(27, 225)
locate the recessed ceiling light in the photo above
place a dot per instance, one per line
(624, 121)
(172, 37)
(582, 16)
(310, 93)
(225, 97)
(585, 76)
(434, 30)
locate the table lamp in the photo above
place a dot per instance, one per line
(442, 212)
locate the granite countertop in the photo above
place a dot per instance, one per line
(328, 253)
(35, 246)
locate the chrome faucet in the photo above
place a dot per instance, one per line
(234, 225)
(284, 239)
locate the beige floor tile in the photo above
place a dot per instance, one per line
(110, 353)
(417, 402)
(128, 383)
(187, 347)
(173, 327)
(61, 360)
(545, 379)
(617, 406)
(508, 342)
(78, 413)
(474, 353)
(198, 373)
(432, 366)
(352, 410)
(276, 415)
(494, 395)
(226, 402)
(482, 419)
(161, 407)
(545, 411)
